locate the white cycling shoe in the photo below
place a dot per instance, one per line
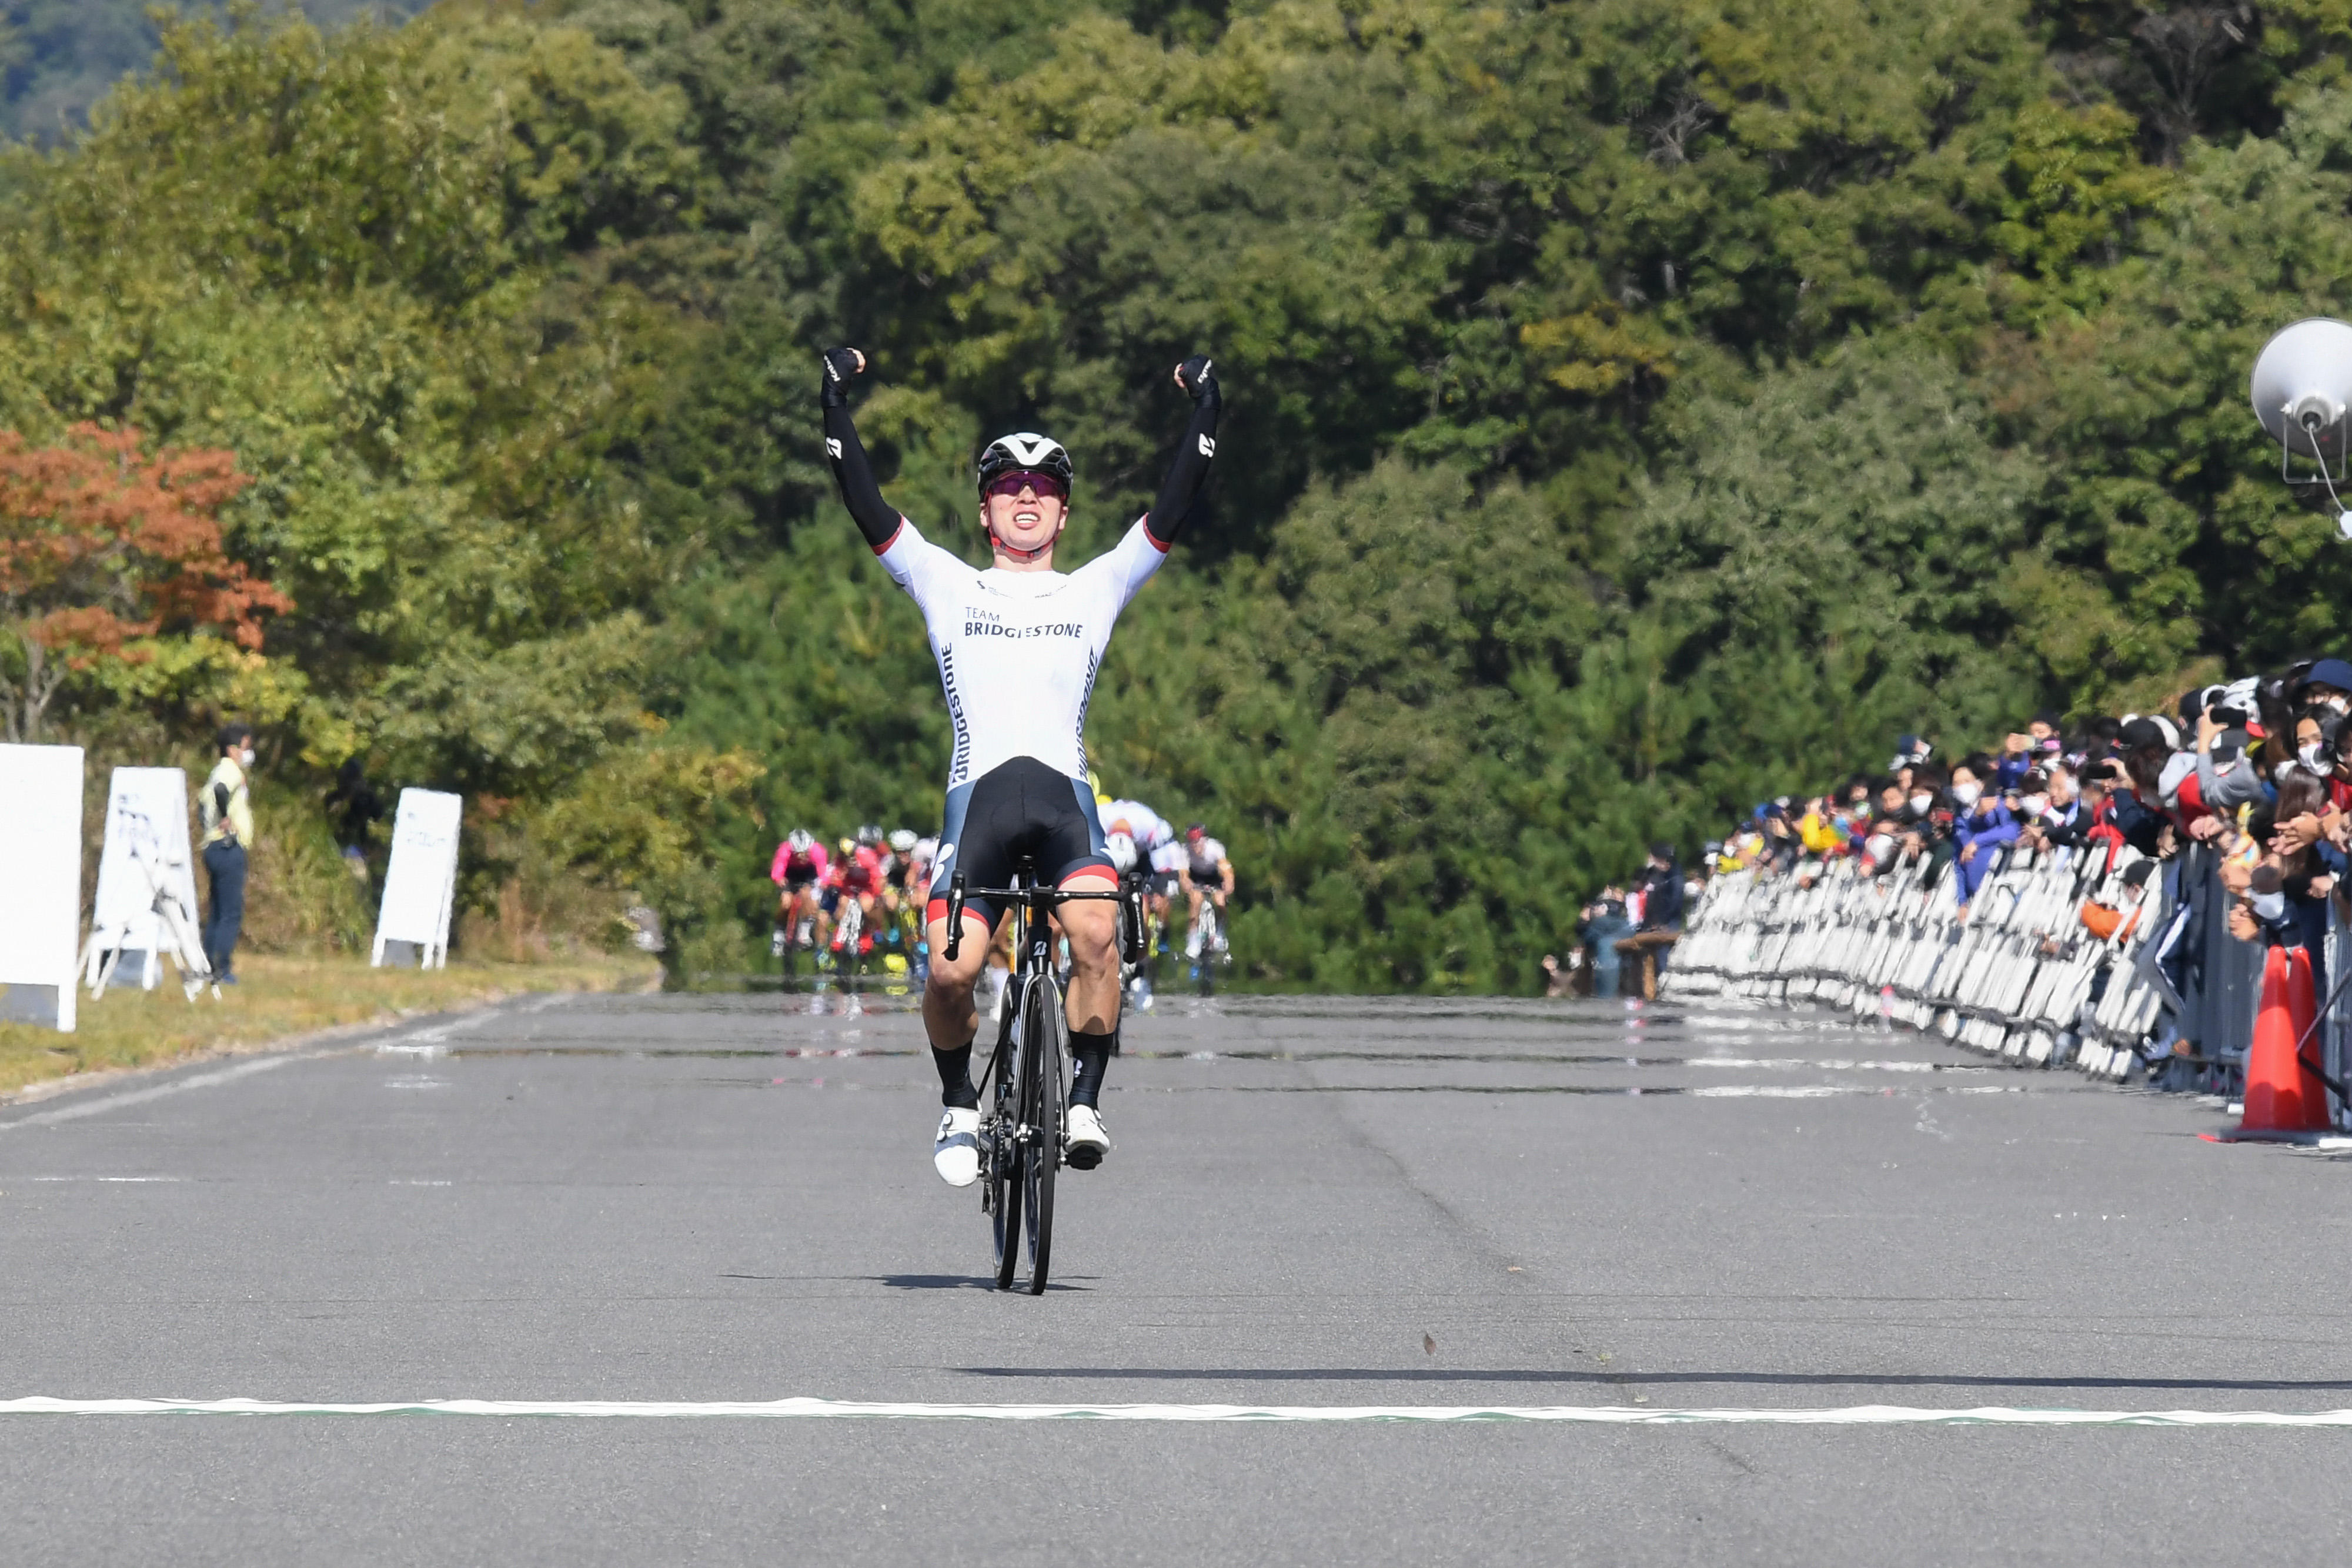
(956, 1151)
(1087, 1143)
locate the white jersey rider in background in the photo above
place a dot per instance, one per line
(1204, 869)
(1155, 843)
(1018, 646)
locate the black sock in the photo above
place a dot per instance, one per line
(956, 1089)
(1094, 1052)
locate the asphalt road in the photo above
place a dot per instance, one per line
(1309, 1204)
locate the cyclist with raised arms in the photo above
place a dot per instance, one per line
(1019, 646)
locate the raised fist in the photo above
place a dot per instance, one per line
(841, 366)
(1195, 376)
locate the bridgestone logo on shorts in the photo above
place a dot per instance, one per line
(1052, 628)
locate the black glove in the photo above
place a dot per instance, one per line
(841, 366)
(1194, 375)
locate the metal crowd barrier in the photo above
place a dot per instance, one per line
(2167, 995)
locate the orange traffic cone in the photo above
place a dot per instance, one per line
(2282, 1094)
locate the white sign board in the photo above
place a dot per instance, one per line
(421, 884)
(40, 868)
(146, 857)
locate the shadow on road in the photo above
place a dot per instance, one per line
(955, 1282)
(1637, 1379)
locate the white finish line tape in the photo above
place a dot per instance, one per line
(1589, 1415)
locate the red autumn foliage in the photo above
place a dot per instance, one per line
(101, 542)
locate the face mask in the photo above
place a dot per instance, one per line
(2270, 907)
(1967, 794)
(2337, 704)
(2311, 758)
(1879, 845)
(2036, 804)
(1921, 802)
(245, 758)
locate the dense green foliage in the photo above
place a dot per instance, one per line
(1633, 407)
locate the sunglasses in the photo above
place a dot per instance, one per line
(1030, 479)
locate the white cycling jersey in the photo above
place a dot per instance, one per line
(1149, 828)
(1018, 650)
(1204, 858)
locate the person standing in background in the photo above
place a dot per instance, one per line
(1662, 891)
(356, 808)
(225, 810)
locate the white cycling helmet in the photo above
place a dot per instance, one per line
(903, 839)
(1025, 450)
(799, 841)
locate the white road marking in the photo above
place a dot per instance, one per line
(1830, 1064)
(105, 1178)
(106, 1103)
(429, 1037)
(1834, 1090)
(431, 1041)
(804, 1409)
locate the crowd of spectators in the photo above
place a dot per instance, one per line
(2257, 770)
(2260, 770)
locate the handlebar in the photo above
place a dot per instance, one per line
(1047, 897)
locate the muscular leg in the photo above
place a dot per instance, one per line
(1092, 928)
(948, 1017)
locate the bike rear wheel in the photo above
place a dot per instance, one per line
(1043, 1051)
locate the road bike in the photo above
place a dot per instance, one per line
(1024, 1138)
(1207, 938)
(848, 938)
(795, 932)
(907, 922)
(1138, 976)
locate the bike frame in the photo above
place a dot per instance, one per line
(1026, 1153)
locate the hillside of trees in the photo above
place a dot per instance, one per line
(1632, 407)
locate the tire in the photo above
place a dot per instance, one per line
(1204, 968)
(1002, 1169)
(846, 955)
(1043, 1051)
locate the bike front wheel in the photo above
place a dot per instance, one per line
(1002, 1167)
(1044, 1049)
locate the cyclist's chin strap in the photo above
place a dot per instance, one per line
(996, 541)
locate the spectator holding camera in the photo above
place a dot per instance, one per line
(1981, 824)
(2136, 788)
(1598, 929)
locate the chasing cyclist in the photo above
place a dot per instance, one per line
(858, 876)
(1019, 646)
(1204, 870)
(799, 872)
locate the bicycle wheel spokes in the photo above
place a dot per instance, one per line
(1042, 1051)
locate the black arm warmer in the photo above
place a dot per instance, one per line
(876, 520)
(1190, 469)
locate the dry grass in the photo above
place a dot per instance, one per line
(280, 996)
